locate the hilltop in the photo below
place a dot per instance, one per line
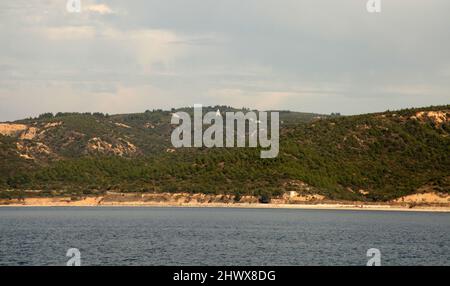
(371, 157)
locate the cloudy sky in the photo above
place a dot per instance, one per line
(306, 55)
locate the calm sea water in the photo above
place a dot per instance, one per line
(217, 236)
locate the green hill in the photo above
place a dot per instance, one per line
(371, 157)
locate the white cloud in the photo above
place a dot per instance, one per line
(263, 100)
(68, 32)
(146, 47)
(102, 9)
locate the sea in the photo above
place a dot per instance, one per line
(221, 236)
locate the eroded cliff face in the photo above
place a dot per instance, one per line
(26, 145)
(9, 129)
(425, 198)
(436, 117)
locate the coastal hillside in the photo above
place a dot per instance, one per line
(371, 157)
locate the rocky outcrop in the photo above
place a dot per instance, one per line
(53, 124)
(29, 134)
(33, 150)
(437, 117)
(122, 125)
(121, 147)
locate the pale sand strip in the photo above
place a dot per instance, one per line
(98, 202)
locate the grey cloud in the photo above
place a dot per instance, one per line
(320, 55)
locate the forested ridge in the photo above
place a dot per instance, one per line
(370, 157)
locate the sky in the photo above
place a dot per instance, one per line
(318, 56)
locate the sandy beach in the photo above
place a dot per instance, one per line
(222, 201)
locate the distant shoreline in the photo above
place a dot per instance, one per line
(428, 202)
(321, 206)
